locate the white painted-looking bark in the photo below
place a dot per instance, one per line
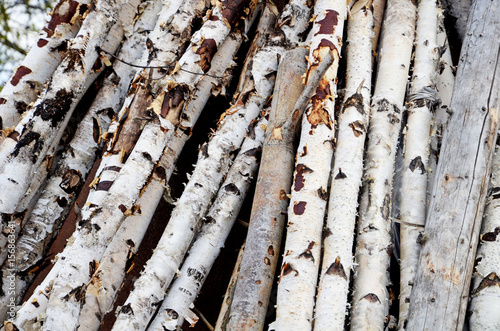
(374, 245)
(441, 288)
(306, 211)
(217, 225)
(346, 175)
(485, 292)
(413, 192)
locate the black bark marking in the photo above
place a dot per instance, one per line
(26, 140)
(127, 309)
(287, 268)
(231, 188)
(299, 208)
(96, 130)
(340, 174)
(270, 250)
(356, 101)
(61, 202)
(20, 73)
(204, 150)
(307, 254)
(336, 268)
(55, 109)
(209, 220)
(299, 177)
(327, 232)
(490, 236)
(147, 156)
(495, 192)
(386, 207)
(196, 275)
(113, 168)
(254, 152)
(489, 281)
(383, 105)
(20, 106)
(417, 163)
(77, 292)
(104, 185)
(71, 181)
(93, 265)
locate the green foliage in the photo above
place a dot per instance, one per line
(20, 22)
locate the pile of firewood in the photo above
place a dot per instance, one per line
(366, 210)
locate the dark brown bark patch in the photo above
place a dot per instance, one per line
(77, 292)
(104, 185)
(417, 163)
(299, 208)
(336, 268)
(55, 109)
(327, 232)
(174, 99)
(96, 130)
(270, 250)
(328, 24)
(61, 202)
(299, 177)
(71, 181)
(358, 128)
(307, 254)
(317, 114)
(231, 188)
(490, 236)
(41, 42)
(20, 106)
(322, 194)
(63, 13)
(2, 101)
(20, 73)
(206, 52)
(231, 9)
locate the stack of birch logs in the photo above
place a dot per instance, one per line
(374, 206)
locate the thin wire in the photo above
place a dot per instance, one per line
(99, 49)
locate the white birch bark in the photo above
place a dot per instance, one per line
(52, 112)
(442, 282)
(337, 260)
(374, 246)
(306, 211)
(29, 79)
(445, 84)
(217, 225)
(413, 191)
(485, 292)
(98, 231)
(165, 42)
(71, 172)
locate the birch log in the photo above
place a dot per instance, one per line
(217, 225)
(331, 302)
(374, 247)
(441, 289)
(421, 106)
(306, 211)
(29, 79)
(485, 291)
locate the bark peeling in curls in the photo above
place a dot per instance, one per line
(490, 236)
(206, 52)
(317, 114)
(336, 268)
(27, 139)
(174, 99)
(299, 208)
(489, 281)
(358, 128)
(55, 109)
(356, 101)
(231, 9)
(20, 73)
(71, 181)
(328, 24)
(63, 13)
(299, 177)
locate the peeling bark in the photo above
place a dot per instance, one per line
(374, 246)
(347, 170)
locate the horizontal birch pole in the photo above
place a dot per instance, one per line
(440, 293)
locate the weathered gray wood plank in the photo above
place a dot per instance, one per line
(441, 289)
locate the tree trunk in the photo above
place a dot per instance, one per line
(440, 294)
